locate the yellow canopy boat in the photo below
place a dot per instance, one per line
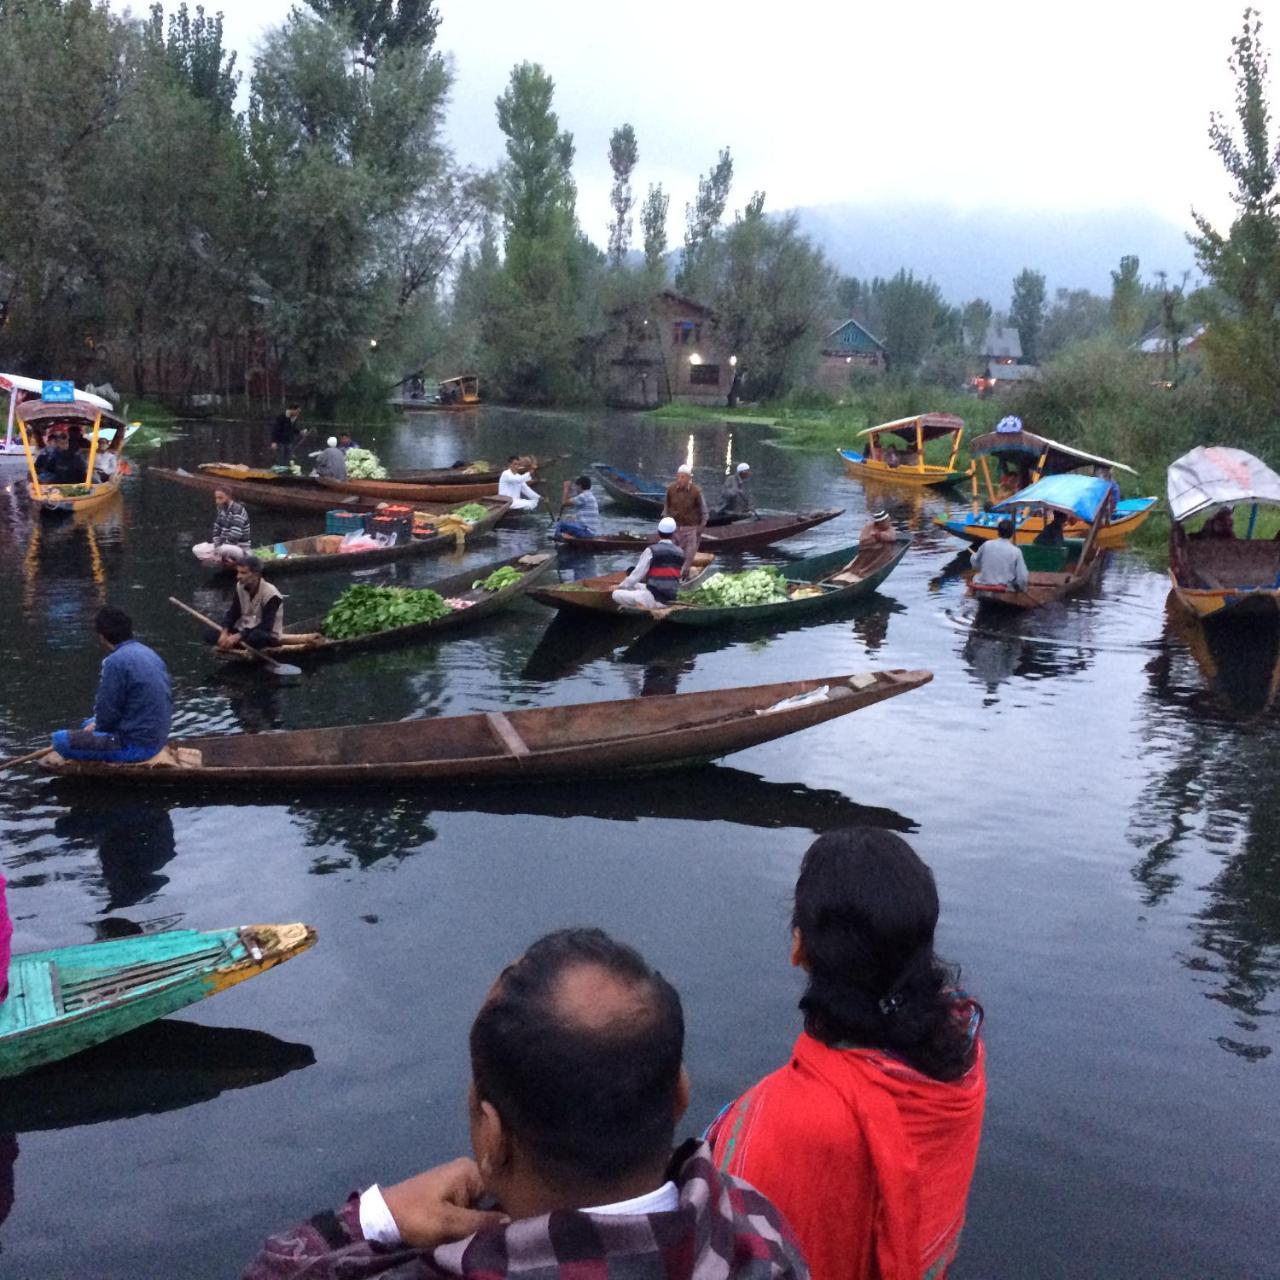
(95, 438)
(895, 451)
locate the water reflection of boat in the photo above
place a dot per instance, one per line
(997, 648)
(134, 841)
(571, 642)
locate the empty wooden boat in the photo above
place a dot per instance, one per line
(479, 604)
(1216, 573)
(68, 999)
(741, 535)
(894, 452)
(593, 739)
(1054, 571)
(324, 551)
(298, 493)
(412, 490)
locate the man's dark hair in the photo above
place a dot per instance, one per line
(590, 1104)
(583, 482)
(294, 405)
(252, 563)
(514, 457)
(113, 625)
(1005, 528)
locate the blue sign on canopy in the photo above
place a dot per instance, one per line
(58, 392)
(1078, 495)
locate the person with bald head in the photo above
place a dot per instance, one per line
(577, 1086)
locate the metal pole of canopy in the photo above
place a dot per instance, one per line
(1253, 519)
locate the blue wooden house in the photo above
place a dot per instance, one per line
(844, 349)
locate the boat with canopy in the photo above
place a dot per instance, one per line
(460, 392)
(86, 427)
(1216, 573)
(895, 452)
(1008, 459)
(1061, 570)
(19, 389)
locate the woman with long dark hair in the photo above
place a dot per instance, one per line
(867, 1138)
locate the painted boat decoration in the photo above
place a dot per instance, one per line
(741, 535)
(68, 999)
(1055, 572)
(585, 740)
(895, 451)
(480, 604)
(1008, 460)
(1215, 573)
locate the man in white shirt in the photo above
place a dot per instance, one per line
(999, 562)
(577, 1086)
(514, 484)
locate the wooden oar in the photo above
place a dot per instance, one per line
(277, 668)
(29, 758)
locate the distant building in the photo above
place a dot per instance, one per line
(667, 349)
(999, 367)
(1154, 342)
(848, 347)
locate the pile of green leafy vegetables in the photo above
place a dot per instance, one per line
(265, 553)
(471, 512)
(734, 590)
(498, 579)
(362, 464)
(364, 610)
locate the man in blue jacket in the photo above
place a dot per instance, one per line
(134, 707)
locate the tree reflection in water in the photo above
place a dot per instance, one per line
(391, 826)
(1218, 789)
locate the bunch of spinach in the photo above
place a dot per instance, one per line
(363, 610)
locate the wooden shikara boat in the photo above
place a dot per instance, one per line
(321, 552)
(411, 490)
(594, 739)
(298, 493)
(640, 494)
(292, 648)
(462, 392)
(1013, 455)
(260, 475)
(1217, 574)
(447, 475)
(18, 389)
(38, 419)
(68, 999)
(595, 595)
(895, 451)
(741, 535)
(1055, 572)
(839, 577)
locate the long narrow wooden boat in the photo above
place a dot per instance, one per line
(895, 452)
(296, 494)
(595, 595)
(1214, 576)
(1055, 572)
(482, 604)
(838, 577)
(259, 475)
(322, 552)
(640, 494)
(742, 535)
(411, 490)
(594, 739)
(68, 999)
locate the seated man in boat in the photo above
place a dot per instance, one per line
(879, 532)
(685, 505)
(345, 442)
(1054, 533)
(230, 540)
(134, 707)
(581, 508)
(577, 1087)
(655, 581)
(735, 497)
(57, 463)
(514, 484)
(331, 462)
(256, 615)
(1222, 524)
(999, 561)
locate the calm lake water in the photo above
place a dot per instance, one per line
(1100, 815)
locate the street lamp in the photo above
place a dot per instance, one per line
(373, 344)
(733, 362)
(695, 358)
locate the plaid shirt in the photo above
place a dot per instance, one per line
(723, 1230)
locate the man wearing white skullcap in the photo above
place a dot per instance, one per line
(688, 508)
(655, 581)
(735, 497)
(330, 462)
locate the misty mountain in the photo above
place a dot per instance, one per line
(976, 254)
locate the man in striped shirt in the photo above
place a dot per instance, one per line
(230, 541)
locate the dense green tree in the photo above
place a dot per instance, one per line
(1075, 316)
(1026, 311)
(1128, 307)
(192, 49)
(905, 313)
(849, 296)
(624, 155)
(653, 223)
(1243, 339)
(382, 25)
(976, 323)
(702, 218)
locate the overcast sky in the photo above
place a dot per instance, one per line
(1094, 104)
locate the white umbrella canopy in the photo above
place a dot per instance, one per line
(1216, 476)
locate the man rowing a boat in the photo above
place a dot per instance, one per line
(581, 508)
(577, 1086)
(735, 497)
(999, 562)
(654, 583)
(256, 615)
(230, 539)
(688, 508)
(133, 711)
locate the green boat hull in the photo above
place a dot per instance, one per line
(809, 570)
(66, 1000)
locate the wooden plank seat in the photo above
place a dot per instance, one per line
(506, 734)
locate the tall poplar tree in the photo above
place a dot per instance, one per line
(1026, 311)
(624, 155)
(653, 223)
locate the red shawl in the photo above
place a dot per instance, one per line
(869, 1160)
